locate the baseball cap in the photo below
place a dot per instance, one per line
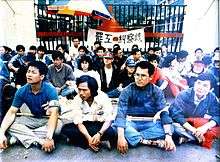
(130, 63)
(108, 54)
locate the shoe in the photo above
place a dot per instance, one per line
(12, 140)
(157, 143)
(183, 140)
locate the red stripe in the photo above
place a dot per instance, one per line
(147, 34)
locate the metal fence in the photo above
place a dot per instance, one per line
(163, 24)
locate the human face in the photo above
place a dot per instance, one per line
(154, 62)
(120, 53)
(84, 91)
(130, 69)
(137, 56)
(20, 52)
(58, 63)
(33, 75)
(142, 77)
(108, 61)
(75, 42)
(2, 50)
(85, 66)
(81, 52)
(199, 54)
(158, 53)
(40, 53)
(202, 88)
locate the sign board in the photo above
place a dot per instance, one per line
(124, 39)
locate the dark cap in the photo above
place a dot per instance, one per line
(130, 63)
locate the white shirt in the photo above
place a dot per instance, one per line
(108, 73)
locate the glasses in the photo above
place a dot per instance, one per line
(143, 76)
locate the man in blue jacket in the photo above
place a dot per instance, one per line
(137, 102)
(197, 111)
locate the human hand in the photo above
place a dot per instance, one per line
(94, 147)
(96, 139)
(48, 145)
(169, 144)
(122, 145)
(3, 142)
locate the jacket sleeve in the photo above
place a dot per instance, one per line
(176, 110)
(120, 120)
(214, 109)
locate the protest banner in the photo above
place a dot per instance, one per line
(124, 39)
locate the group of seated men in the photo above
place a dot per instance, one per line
(141, 117)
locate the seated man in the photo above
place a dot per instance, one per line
(197, 110)
(92, 114)
(137, 102)
(32, 129)
(4, 79)
(61, 75)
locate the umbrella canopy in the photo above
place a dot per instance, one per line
(80, 8)
(111, 26)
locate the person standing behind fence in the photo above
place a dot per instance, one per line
(42, 99)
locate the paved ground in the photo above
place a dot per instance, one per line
(64, 152)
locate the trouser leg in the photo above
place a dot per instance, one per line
(23, 130)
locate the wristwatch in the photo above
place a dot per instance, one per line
(99, 133)
(168, 133)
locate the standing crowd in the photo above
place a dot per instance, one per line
(106, 98)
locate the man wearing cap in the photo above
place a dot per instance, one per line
(108, 73)
(125, 77)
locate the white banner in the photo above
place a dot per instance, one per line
(124, 39)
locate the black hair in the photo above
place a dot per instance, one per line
(97, 42)
(198, 49)
(42, 67)
(41, 48)
(83, 48)
(32, 48)
(64, 47)
(134, 46)
(92, 84)
(216, 49)
(150, 48)
(57, 54)
(100, 48)
(134, 51)
(20, 47)
(181, 54)
(157, 48)
(75, 38)
(146, 65)
(86, 59)
(207, 76)
(153, 57)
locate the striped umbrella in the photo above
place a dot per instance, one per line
(95, 8)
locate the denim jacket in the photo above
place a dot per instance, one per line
(135, 101)
(4, 74)
(184, 107)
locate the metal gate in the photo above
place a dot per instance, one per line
(163, 24)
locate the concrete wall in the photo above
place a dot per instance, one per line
(201, 25)
(17, 25)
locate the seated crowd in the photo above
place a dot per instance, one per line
(72, 94)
